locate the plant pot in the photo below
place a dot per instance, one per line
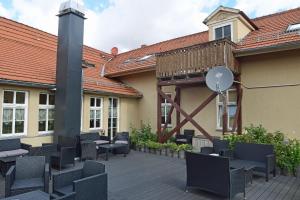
(160, 151)
(181, 154)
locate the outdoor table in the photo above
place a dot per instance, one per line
(109, 147)
(37, 194)
(248, 168)
(6, 163)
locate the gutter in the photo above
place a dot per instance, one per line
(130, 72)
(52, 87)
(268, 49)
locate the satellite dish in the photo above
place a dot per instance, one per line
(219, 79)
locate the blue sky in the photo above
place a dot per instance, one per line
(129, 23)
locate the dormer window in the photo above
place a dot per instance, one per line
(293, 27)
(223, 31)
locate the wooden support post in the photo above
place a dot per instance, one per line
(188, 117)
(159, 135)
(237, 116)
(178, 101)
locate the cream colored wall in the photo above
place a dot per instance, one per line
(32, 136)
(127, 114)
(274, 108)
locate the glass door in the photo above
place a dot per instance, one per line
(113, 116)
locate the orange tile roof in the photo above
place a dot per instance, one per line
(271, 31)
(29, 55)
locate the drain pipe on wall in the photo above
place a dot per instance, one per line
(103, 67)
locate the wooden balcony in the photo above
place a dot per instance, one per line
(195, 60)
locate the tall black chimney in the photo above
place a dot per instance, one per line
(69, 72)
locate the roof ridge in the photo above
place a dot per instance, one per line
(276, 13)
(50, 34)
(130, 51)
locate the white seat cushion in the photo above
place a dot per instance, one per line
(121, 142)
(16, 152)
(101, 142)
(181, 140)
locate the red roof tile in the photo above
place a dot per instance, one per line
(29, 55)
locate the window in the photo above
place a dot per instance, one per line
(46, 113)
(223, 32)
(165, 109)
(95, 113)
(231, 109)
(113, 116)
(293, 27)
(14, 113)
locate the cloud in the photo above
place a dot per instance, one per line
(264, 7)
(5, 12)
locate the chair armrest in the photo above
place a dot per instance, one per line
(47, 177)
(271, 162)
(26, 146)
(92, 187)
(9, 179)
(227, 153)
(206, 150)
(66, 178)
(237, 181)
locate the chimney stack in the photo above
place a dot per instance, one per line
(69, 72)
(143, 45)
(114, 51)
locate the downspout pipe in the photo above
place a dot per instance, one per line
(103, 67)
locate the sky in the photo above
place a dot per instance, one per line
(127, 24)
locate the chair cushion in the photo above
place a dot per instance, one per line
(101, 142)
(27, 183)
(121, 142)
(16, 152)
(64, 190)
(181, 140)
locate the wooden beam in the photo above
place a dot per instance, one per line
(187, 117)
(178, 101)
(225, 114)
(238, 110)
(187, 81)
(159, 135)
(169, 116)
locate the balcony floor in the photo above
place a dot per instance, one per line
(143, 176)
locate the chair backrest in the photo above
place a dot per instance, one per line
(91, 167)
(89, 136)
(253, 152)
(220, 145)
(30, 167)
(208, 172)
(122, 136)
(10, 144)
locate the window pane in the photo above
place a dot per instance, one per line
(98, 114)
(115, 103)
(20, 114)
(8, 97)
(97, 123)
(51, 99)
(7, 114)
(98, 102)
(43, 99)
(91, 123)
(19, 127)
(42, 125)
(20, 98)
(92, 114)
(220, 115)
(42, 114)
(218, 33)
(114, 122)
(92, 102)
(227, 32)
(232, 96)
(51, 114)
(231, 111)
(50, 125)
(115, 112)
(7, 127)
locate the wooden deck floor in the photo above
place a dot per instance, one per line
(143, 176)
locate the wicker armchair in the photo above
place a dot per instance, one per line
(219, 147)
(186, 138)
(88, 150)
(122, 138)
(30, 173)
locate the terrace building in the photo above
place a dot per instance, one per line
(122, 90)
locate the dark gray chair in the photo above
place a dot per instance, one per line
(219, 146)
(122, 138)
(30, 173)
(261, 156)
(88, 150)
(186, 138)
(88, 182)
(13, 148)
(213, 174)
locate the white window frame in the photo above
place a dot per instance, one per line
(118, 114)
(219, 103)
(14, 106)
(165, 104)
(222, 25)
(46, 107)
(95, 108)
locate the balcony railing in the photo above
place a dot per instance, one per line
(196, 59)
